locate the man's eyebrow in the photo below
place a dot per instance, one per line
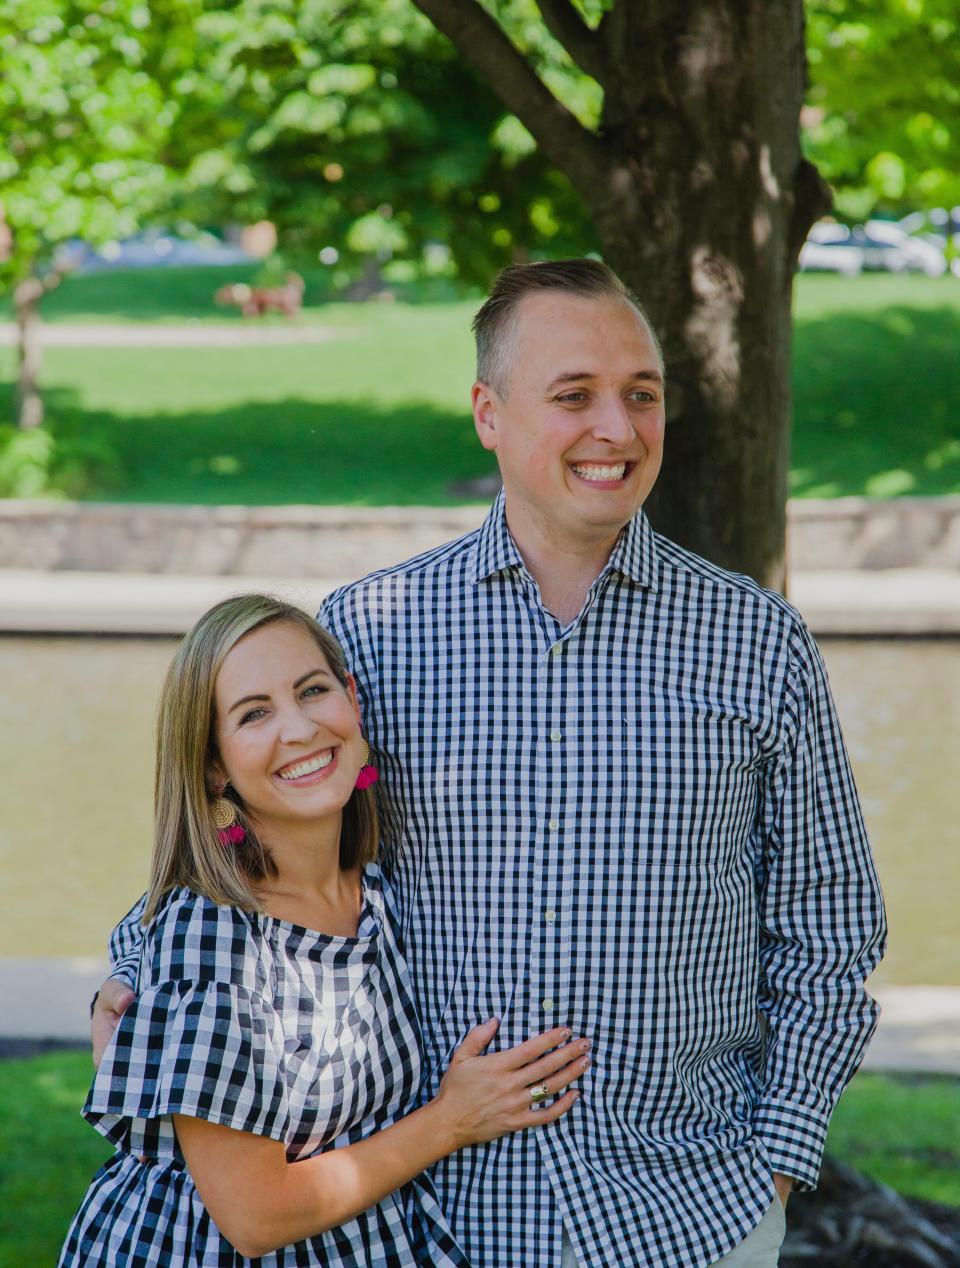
(299, 683)
(578, 376)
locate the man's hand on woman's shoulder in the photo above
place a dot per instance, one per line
(110, 1003)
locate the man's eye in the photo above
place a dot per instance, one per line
(572, 398)
(643, 396)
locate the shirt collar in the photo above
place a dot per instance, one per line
(634, 556)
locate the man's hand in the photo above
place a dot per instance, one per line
(113, 999)
(783, 1186)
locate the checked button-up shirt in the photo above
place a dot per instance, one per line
(642, 825)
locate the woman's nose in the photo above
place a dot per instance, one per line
(296, 725)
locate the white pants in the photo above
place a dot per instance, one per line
(759, 1249)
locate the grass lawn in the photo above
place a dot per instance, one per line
(903, 1131)
(379, 415)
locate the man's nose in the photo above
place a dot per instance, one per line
(611, 421)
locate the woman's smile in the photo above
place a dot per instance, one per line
(308, 770)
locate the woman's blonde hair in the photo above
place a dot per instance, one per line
(186, 849)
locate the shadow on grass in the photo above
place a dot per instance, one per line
(349, 452)
(877, 404)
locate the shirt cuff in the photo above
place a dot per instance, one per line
(794, 1140)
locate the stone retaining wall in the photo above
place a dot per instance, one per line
(309, 541)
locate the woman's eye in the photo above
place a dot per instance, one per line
(251, 716)
(318, 689)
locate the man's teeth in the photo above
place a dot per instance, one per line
(308, 767)
(600, 473)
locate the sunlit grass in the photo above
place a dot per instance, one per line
(380, 413)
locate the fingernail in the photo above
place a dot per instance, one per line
(587, 1045)
(565, 1035)
(585, 1062)
(576, 1096)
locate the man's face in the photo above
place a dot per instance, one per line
(579, 436)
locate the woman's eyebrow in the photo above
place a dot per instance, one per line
(299, 683)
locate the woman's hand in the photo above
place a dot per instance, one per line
(483, 1097)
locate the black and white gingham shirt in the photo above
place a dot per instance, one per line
(266, 1027)
(642, 825)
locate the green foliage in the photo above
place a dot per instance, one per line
(883, 121)
(84, 117)
(356, 127)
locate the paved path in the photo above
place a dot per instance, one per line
(916, 601)
(48, 999)
(198, 334)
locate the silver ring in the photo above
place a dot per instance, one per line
(538, 1093)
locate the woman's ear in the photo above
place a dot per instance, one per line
(216, 779)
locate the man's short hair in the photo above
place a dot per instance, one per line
(495, 323)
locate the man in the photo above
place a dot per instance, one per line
(616, 797)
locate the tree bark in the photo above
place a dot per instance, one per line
(27, 295)
(701, 199)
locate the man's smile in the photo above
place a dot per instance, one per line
(605, 473)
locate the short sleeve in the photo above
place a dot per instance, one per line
(208, 1050)
(202, 1038)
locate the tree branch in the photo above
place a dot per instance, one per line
(567, 27)
(484, 45)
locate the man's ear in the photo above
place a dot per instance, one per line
(486, 405)
(352, 693)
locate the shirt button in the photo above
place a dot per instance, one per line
(549, 917)
(548, 1005)
(554, 825)
(557, 649)
(556, 735)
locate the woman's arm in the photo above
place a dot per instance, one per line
(259, 1201)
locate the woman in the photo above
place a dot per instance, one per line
(261, 1088)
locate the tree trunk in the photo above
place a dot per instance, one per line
(27, 295)
(702, 214)
(699, 193)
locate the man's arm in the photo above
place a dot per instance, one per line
(822, 926)
(116, 993)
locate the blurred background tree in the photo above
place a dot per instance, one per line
(883, 115)
(84, 120)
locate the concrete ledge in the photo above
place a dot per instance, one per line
(320, 541)
(911, 602)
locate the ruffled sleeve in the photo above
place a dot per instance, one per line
(211, 1049)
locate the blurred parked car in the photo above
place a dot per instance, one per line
(151, 249)
(879, 245)
(939, 227)
(830, 248)
(886, 245)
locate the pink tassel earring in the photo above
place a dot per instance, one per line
(368, 774)
(229, 832)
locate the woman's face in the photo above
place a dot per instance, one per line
(288, 733)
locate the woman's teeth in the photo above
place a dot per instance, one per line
(601, 473)
(307, 767)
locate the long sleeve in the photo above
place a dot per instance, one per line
(125, 945)
(822, 925)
